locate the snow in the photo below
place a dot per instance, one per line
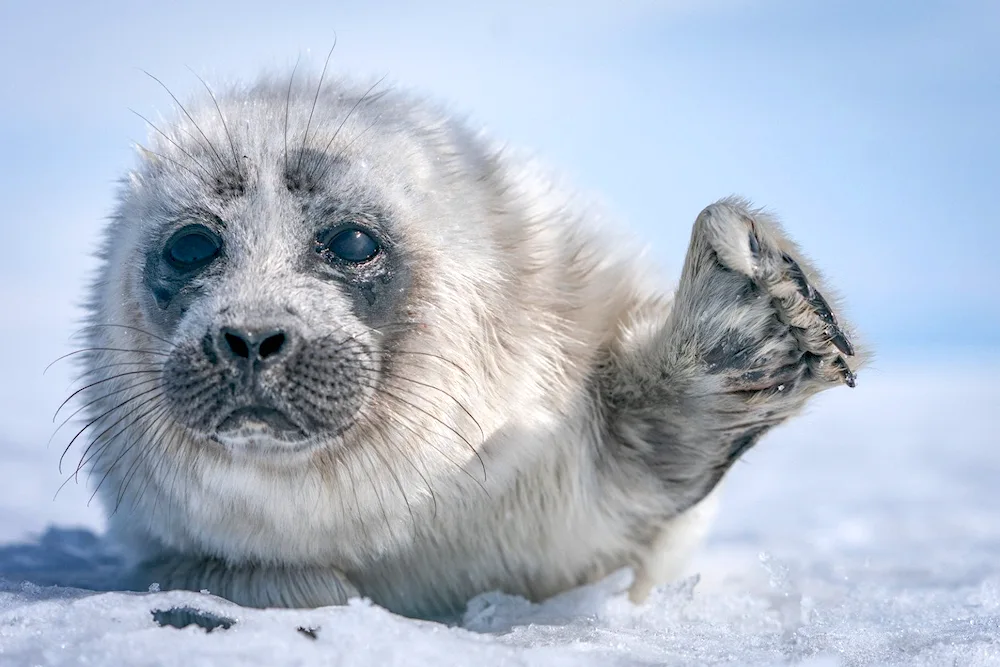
(867, 531)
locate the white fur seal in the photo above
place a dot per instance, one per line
(342, 345)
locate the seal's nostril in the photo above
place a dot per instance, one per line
(271, 345)
(238, 345)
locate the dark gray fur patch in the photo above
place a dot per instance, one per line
(744, 442)
(734, 351)
(753, 376)
(229, 184)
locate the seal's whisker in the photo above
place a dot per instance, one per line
(409, 426)
(127, 327)
(433, 417)
(288, 101)
(118, 364)
(100, 417)
(375, 490)
(82, 376)
(430, 489)
(399, 350)
(394, 374)
(416, 394)
(112, 378)
(183, 150)
(85, 459)
(155, 471)
(169, 159)
(372, 384)
(204, 136)
(225, 127)
(347, 457)
(312, 109)
(159, 419)
(164, 443)
(130, 387)
(422, 353)
(379, 330)
(121, 455)
(85, 350)
(341, 126)
(391, 469)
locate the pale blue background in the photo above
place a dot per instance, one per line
(871, 127)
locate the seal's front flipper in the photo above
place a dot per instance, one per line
(756, 312)
(750, 336)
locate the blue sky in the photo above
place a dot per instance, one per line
(871, 128)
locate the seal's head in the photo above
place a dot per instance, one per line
(287, 270)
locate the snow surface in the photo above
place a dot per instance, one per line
(865, 532)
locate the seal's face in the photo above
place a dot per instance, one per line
(285, 280)
(276, 298)
(278, 328)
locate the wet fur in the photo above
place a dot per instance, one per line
(528, 411)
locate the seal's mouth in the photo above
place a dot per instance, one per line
(261, 421)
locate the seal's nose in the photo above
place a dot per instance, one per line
(241, 345)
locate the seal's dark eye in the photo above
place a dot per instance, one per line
(349, 245)
(192, 247)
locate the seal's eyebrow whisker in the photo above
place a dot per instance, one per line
(167, 158)
(312, 109)
(208, 174)
(336, 133)
(222, 119)
(208, 142)
(343, 149)
(288, 100)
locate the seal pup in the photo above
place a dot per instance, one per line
(341, 344)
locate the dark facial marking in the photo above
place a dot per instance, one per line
(353, 247)
(306, 169)
(230, 185)
(175, 264)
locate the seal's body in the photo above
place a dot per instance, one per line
(341, 345)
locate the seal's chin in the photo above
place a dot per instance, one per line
(262, 429)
